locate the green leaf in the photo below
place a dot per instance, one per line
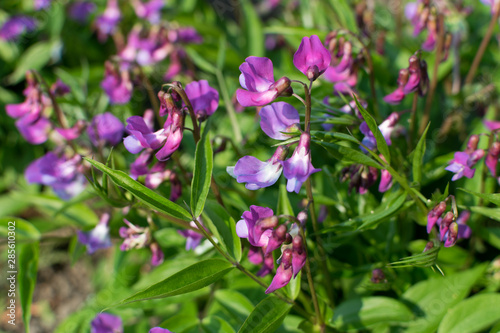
(372, 125)
(493, 198)
(202, 174)
(192, 278)
(141, 192)
(418, 157)
(223, 227)
(25, 231)
(200, 61)
(431, 299)
(343, 153)
(27, 268)
(333, 137)
(293, 287)
(284, 205)
(34, 58)
(492, 213)
(221, 55)
(235, 302)
(472, 315)
(214, 324)
(267, 316)
(344, 14)
(253, 27)
(363, 313)
(425, 259)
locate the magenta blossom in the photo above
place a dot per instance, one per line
(117, 85)
(491, 159)
(277, 118)
(107, 22)
(142, 135)
(462, 164)
(257, 77)
(149, 10)
(105, 128)
(146, 46)
(73, 132)
(106, 323)
(361, 177)
(257, 225)
(312, 58)
(159, 330)
(387, 127)
(16, 26)
(81, 10)
(299, 167)
(298, 255)
(204, 99)
(284, 272)
(434, 215)
(63, 174)
(97, 238)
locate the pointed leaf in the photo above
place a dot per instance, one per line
(192, 278)
(284, 205)
(141, 192)
(253, 27)
(472, 315)
(27, 267)
(493, 197)
(418, 157)
(344, 153)
(372, 125)
(25, 231)
(492, 213)
(267, 316)
(202, 174)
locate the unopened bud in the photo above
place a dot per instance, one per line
(282, 86)
(378, 276)
(302, 217)
(312, 73)
(495, 149)
(451, 239)
(472, 143)
(428, 246)
(404, 75)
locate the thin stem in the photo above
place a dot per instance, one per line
(229, 106)
(433, 85)
(299, 98)
(307, 123)
(412, 121)
(371, 76)
(482, 48)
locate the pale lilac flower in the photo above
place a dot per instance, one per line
(257, 78)
(146, 46)
(284, 272)
(41, 4)
(312, 58)
(16, 26)
(204, 99)
(107, 22)
(134, 237)
(149, 10)
(97, 238)
(117, 85)
(61, 173)
(105, 128)
(299, 167)
(257, 174)
(81, 10)
(462, 164)
(106, 323)
(193, 238)
(277, 118)
(257, 225)
(141, 136)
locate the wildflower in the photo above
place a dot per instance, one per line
(117, 85)
(61, 173)
(73, 132)
(462, 164)
(386, 128)
(81, 10)
(106, 323)
(298, 255)
(159, 330)
(277, 118)
(284, 272)
(257, 225)
(257, 78)
(434, 215)
(41, 4)
(146, 46)
(464, 231)
(204, 99)
(97, 238)
(397, 95)
(105, 128)
(299, 167)
(257, 174)
(378, 276)
(107, 22)
(343, 68)
(361, 177)
(150, 10)
(193, 238)
(491, 159)
(157, 255)
(16, 26)
(138, 237)
(413, 79)
(312, 58)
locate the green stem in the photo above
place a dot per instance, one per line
(412, 121)
(229, 106)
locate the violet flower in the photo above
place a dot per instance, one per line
(298, 255)
(59, 88)
(257, 225)
(277, 118)
(193, 238)
(73, 132)
(142, 136)
(257, 174)
(491, 159)
(146, 47)
(159, 330)
(157, 255)
(140, 166)
(299, 167)
(386, 128)
(134, 237)
(385, 181)
(343, 69)
(257, 78)
(462, 164)
(41, 4)
(81, 10)
(185, 35)
(106, 323)
(107, 22)
(464, 231)
(204, 99)
(97, 238)
(312, 58)
(149, 10)
(284, 272)
(267, 266)
(105, 128)
(61, 173)
(16, 26)
(397, 95)
(434, 215)
(174, 127)
(34, 128)
(117, 85)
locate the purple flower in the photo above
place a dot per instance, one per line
(106, 323)
(277, 118)
(34, 128)
(81, 10)
(386, 128)
(267, 266)
(257, 174)
(298, 255)
(257, 78)
(140, 166)
(107, 22)
(397, 95)
(142, 136)
(105, 128)
(462, 164)
(61, 173)
(150, 10)
(361, 177)
(492, 125)
(451, 235)
(185, 35)
(174, 130)
(257, 225)
(284, 272)
(343, 69)
(299, 167)
(193, 238)
(16, 26)
(97, 238)
(491, 159)
(157, 254)
(59, 88)
(134, 237)
(117, 85)
(385, 181)
(430, 43)
(159, 330)
(203, 98)
(73, 132)
(312, 58)
(464, 231)
(146, 46)
(41, 4)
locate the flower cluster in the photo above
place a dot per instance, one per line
(264, 233)
(343, 70)
(15, 26)
(97, 238)
(450, 227)
(139, 237)
(463, 161)
(108, 323)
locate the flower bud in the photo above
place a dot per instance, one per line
(452, 234)
(378, 276)
(282, 87)
(277, 238)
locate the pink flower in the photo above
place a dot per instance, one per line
(312, 58)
